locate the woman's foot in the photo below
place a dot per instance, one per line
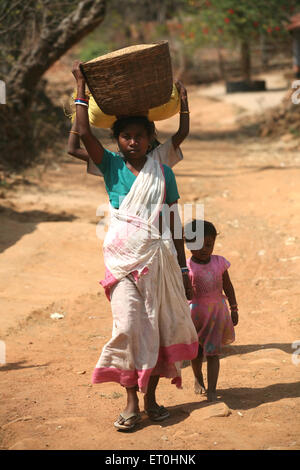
(127, 421)
(152, 409)
(157, 413)
(130, 416)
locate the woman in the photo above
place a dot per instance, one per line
(152, 328)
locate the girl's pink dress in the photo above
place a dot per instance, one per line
(208, 307)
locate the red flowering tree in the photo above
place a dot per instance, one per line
(242, 21)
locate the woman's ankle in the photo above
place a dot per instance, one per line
(132, 401)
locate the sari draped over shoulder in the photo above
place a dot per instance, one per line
(152, 327)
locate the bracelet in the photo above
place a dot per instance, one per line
(233, 307)
(82, 103)
(184, 112)
(83, 99)
(74, 132)
(185, 269)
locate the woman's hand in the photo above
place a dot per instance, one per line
(181, 90)
(76, 71)
(187, 286)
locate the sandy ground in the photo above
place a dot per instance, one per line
(51, 261)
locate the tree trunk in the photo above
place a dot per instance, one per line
(52, 44)
(221, 63)
(246, 61)
(16, 118)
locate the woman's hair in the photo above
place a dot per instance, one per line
(120, 124)
(199, 228)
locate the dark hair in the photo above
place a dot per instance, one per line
(122, 122)
(195, 226)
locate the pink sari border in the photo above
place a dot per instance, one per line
(126, 378)
(178, 352)
(131, 378)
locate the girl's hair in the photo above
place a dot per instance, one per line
(120, 124)
(198, 228)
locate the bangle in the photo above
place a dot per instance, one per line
(185, 269)
(83, 103)
(184, 112)
(83, 99)
(74, 132)
(233, 307)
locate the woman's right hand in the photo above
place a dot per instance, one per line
(76, 71)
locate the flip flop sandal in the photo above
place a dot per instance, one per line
(157, 414)
(124, 418)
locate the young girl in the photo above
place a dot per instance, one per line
(152, 327)
(209, 277)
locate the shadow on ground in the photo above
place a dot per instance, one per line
(26, 223)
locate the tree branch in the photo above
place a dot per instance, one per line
(52, 44)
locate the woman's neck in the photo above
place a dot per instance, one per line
(136, 164)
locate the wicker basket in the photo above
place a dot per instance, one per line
(132, 80)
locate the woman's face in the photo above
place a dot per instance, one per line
(134, 141)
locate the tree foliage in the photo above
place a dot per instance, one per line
(240, 23)
(242, 19)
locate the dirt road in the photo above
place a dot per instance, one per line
(51, 262)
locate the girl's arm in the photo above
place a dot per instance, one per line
(92, 145)
(184, 123)
(74, 148)
(175, 227)
(230, 294)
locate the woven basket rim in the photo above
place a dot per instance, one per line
(123, 61)
(125, 51)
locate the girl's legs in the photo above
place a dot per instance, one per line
(197, 369)
(213, 367)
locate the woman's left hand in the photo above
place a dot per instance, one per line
(187, 286)
(181, 90)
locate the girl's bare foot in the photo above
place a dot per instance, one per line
(199, 388)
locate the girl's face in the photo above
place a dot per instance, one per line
(205, 252)
(134, 141)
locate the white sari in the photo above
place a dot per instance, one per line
(152, 327)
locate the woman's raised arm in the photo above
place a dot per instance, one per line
(91, 143)
(184, 123)
(74, 148)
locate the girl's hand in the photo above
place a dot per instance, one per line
(76, 71)
(234, 317)
(187, 286)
